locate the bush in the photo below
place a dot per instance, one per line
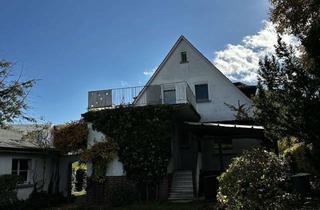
(8, 194)
(256, 180)
(39, 201)
(122, 194)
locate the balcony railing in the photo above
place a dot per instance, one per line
(168, 93)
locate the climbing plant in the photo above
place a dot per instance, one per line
(143, 136)
(100, 154)
(71, 137)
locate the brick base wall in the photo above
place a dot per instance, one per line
(97, 192)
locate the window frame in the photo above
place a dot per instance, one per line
(202, 100)
(184, 57)
(18, 170)
(169, 90)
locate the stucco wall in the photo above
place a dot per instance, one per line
(35, 173)
(198, 71)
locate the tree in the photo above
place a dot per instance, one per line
(288, 100)
(242, 111)
(13, 94)
(301, 18)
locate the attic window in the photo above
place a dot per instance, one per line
(184, 57)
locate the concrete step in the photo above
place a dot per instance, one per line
(182, 186)
(175, 186)
(182, 189)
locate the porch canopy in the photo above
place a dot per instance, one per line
(223, 129)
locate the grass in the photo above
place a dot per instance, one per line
(148, 206)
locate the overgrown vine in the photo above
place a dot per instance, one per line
(100, 154)
(142, 135)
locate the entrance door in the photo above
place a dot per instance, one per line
(185, 153)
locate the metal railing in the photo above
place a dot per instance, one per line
(172, 93)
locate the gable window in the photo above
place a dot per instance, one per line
(202, 94)
(21, 168)
(184, 57)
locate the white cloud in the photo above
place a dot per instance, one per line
(150, 72)
(240, 62)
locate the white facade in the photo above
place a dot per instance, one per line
(198, 70)
(37, 165)
(172, 74)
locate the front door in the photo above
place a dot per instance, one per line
(185, 153)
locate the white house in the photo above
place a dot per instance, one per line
(208, 135)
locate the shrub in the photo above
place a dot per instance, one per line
(8, 194)
(256, 180)
(122, 194)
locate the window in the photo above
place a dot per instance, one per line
(20, 167)
(169, 96)
(184, 57)
(202, 94)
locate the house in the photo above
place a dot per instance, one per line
(39, 166)
(207, 135)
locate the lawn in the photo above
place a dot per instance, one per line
(148, 206)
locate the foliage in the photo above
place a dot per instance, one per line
(39, 201)
(298, 154)
(122, 194)
(13, 94)
(288, 103)
(256, 180)
(71, 137)
(301, 18)
(100, 154)
(242, 111)
(143, 136)
(8, 194)
(40, 135)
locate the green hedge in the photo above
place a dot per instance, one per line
(8, 194)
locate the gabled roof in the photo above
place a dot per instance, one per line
(248, 90)
(182, 38)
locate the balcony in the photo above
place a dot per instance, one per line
(178, 94)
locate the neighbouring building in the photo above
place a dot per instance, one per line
(38, 166)
(207, 136)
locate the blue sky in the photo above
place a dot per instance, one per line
(81, 45)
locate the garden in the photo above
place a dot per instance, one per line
(280, 178)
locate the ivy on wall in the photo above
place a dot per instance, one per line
(100, 154)
(71, 137)
(143, 135)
